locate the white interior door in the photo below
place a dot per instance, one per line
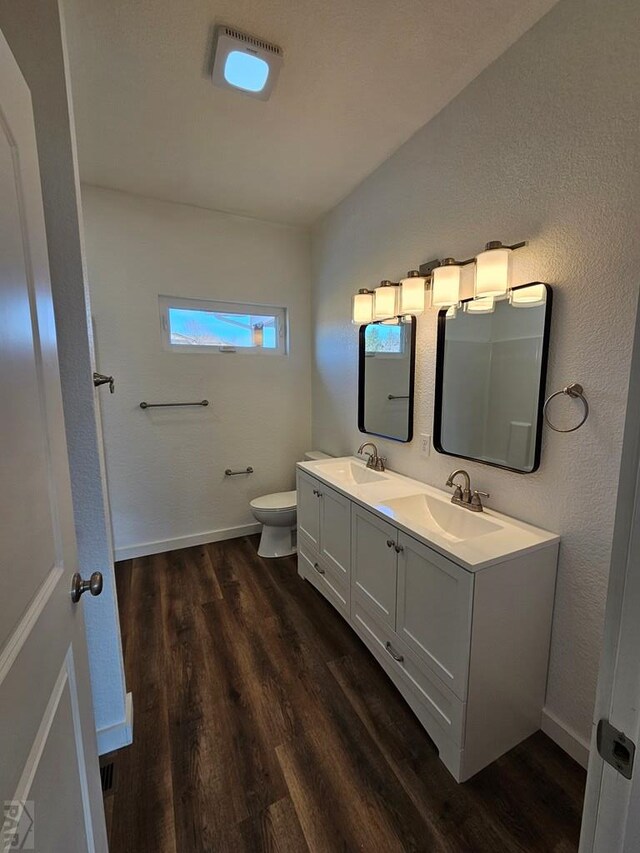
(611, 822)
(49, 778)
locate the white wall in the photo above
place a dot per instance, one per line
(543, 146)
(166, 467)
(35, 34)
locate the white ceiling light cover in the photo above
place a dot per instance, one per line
(245, 63)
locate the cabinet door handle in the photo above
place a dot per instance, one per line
(399, 548)
(390, 543)
(317, 493)
(318, 568)
(394, 654)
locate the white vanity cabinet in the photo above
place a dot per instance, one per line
(468, 649)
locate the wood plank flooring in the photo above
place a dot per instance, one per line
(262, 723)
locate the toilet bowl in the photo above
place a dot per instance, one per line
(277, 514)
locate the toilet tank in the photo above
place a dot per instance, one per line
(315, 455)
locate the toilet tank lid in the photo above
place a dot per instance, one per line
(314, 455)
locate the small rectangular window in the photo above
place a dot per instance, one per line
(194, 325)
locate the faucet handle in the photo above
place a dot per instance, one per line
(476, 500)
(381, 462)
(457, 493)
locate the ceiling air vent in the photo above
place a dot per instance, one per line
(245, 63)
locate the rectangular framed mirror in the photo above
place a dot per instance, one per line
(491, 368)
(386, 372)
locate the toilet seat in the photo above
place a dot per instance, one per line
(277, 502)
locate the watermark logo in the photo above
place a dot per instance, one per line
(17, 825)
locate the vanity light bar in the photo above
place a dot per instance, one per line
(436, 284)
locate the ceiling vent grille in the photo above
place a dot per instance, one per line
(253, 41)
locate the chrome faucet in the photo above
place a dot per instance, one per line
(374, 461)
(463, 496)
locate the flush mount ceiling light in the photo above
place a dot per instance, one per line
(245, 63)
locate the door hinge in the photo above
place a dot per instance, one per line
(616, 748)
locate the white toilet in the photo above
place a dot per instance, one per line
(277, 514)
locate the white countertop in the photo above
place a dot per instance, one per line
(506, 537)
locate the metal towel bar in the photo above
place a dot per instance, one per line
(145, 405)
(230, 473)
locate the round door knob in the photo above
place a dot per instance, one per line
(78, 586)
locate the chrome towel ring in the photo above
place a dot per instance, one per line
(574, 390)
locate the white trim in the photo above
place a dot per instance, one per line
(572, 743)
(144, 549)
(118, 735)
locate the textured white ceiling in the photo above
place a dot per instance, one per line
(360, 76)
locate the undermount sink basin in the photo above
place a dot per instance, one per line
(351, 473)
(441, 516)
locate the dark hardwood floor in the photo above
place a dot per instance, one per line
(262, 723)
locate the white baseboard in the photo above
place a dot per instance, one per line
(572, 743)
(119, 735)
(144, 549)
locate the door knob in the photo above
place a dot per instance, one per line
(101, 379)
(78, 586)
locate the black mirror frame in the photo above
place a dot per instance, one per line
(437, 414)
(412, 378)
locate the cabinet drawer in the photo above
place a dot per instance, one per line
(440, 704)
(323, 576)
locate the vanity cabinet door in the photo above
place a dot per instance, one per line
(374, 564)
(335, 530)
(308, 499)
(435, 599)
